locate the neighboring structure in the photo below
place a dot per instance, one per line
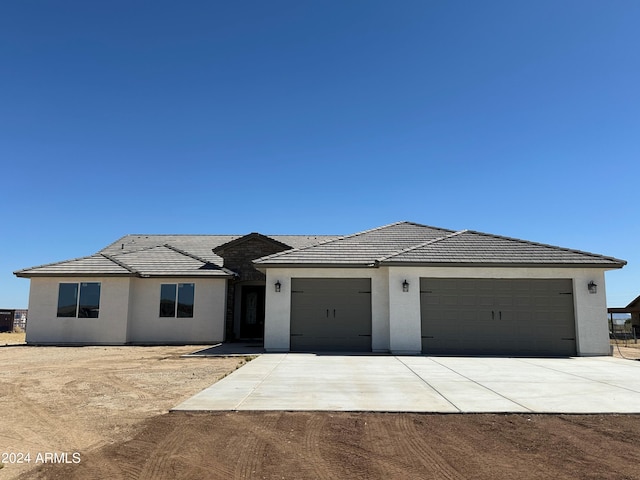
(20, 318)
(6, 320)
(634, 309)
(11, 319)
(405, 288)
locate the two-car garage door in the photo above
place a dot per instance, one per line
(331, 314)
(497, 316)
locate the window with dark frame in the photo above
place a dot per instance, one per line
(176, 300)
(81, 300)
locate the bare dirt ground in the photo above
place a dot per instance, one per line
(110, 406)
(11, 338)
(78, 399)
(301, 445)
(626, 349)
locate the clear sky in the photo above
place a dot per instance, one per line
(519, 118)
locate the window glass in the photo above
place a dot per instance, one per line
(186, 294)
(67, 299)
(168, 300)
(89, 305)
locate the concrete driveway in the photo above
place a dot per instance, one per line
(297, 381)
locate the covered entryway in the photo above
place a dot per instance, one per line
(522, 317)
(331, 314)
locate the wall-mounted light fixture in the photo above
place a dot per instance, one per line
(405, 286)
(278, 285)
(593, 288)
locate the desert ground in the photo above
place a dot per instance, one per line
(106, 408)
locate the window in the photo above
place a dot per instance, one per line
(183, 307)
(80, 300)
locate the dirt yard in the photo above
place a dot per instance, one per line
(106, 408)
(78, 399)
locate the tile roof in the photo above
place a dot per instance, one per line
(158, 255)
(94, 264)
(401, 243)
(168, 261)
(470, 247)
(361, 248)
(201, 245)
(406, 243)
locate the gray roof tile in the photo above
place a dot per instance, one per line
(469, 247)
(401, 243)
(361, 248)
(93, 265)
(161, 255)
(407, 243)
(166, 261)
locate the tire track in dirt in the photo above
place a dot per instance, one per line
(158, 465)
(118, 383)
(410, 438)
(47, 429)
(385, 454)
(252, 452)
(312, 441)
(133, 470)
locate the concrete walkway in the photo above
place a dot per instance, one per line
(426, 384)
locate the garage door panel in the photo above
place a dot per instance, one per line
(502, 316)
(331, 314)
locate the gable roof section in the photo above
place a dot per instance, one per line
(635, 303)
(251, 236)
(358, 249)
(169, 261)
(468, 247)
(152, 261)
(92, 265)
(202, 245)
(406, 243)
(158, 255)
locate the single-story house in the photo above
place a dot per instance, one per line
(403, 288)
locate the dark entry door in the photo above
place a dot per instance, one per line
(252, 319)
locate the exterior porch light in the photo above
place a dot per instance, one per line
(405, 286)
(278, 285)
(593, 288)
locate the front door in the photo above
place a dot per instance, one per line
(252, 319)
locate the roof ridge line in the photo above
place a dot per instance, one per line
(274, 255)
(178, 250)
(196, 257)
(119, 241)
(119, 263)
(414, 247)
(141, 249)
(548, 245)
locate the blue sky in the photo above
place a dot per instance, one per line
(515, 118)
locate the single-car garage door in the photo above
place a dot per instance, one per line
(497, 316)
(331, 314)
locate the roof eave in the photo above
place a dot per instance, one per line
(607, 266)
(72, 274)
(313, 265)
(183, 275)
